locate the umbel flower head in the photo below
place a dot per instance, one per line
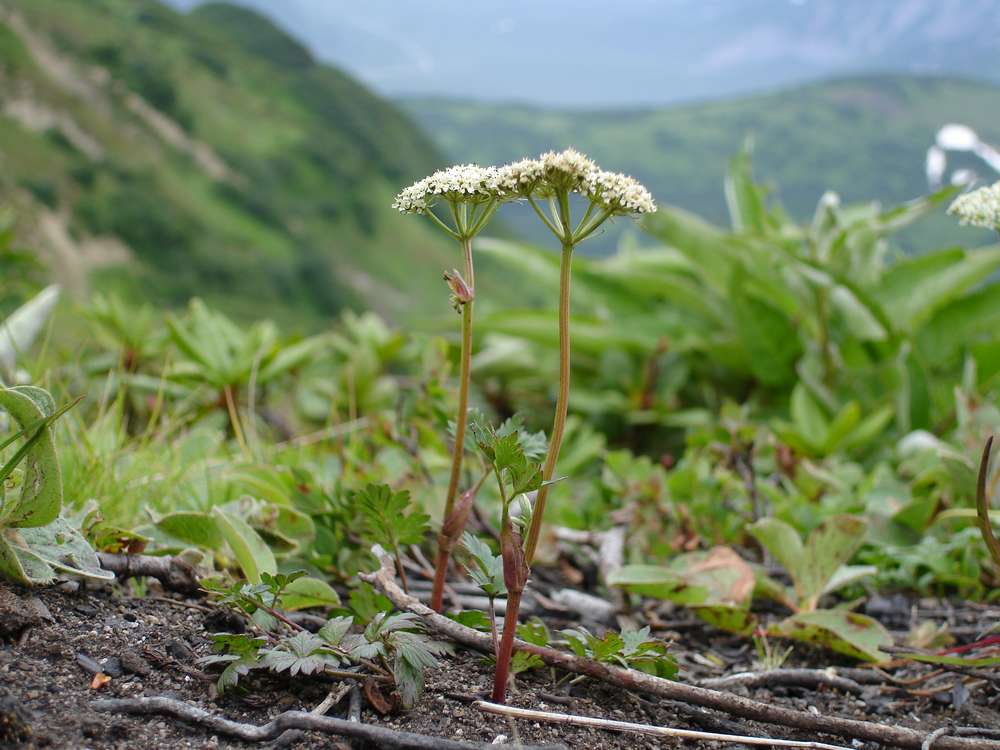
(572, 172)
(980, 208)
(463, 183)
(618, 193)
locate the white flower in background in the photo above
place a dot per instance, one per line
(463, 183)
(618, 193)
(980, 208)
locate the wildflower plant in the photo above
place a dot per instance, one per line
(472, 194)
(468, 195)
(554, 177)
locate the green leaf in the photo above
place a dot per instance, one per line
(385, 516)
(306, 592)
(808, 417)
(40, 496)
(784, 544)
(914, 290)
(192, 527)
(815, 564)
(839, 630)
(40, 551)
(769, 337)
(716, 577)
(335, 629)
(252, 554)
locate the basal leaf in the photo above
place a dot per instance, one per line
(253, 555)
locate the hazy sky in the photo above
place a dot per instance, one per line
(592, 52)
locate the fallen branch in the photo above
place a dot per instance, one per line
(640, 682)
(810, 678)
(628, 726)
(379, 736)
(173, 572)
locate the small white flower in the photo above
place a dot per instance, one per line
(618, 193)
(520, 178)
(980, 208)
(567, 169)
(463, 183)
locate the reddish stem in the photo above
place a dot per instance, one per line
(506, 647)
(440, 572)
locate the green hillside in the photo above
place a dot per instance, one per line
(864, 138)
(169, 154)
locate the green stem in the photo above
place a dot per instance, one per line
(592, 227)
(441, 224)
(458, 450)
(543, 217)
(562, 404)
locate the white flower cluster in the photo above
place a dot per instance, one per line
(567, 169)
(521, 178)
(980, 208)
(552, 172)
(468, 183)
(619, 193)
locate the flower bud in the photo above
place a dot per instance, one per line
(515, 567)
(461, 294)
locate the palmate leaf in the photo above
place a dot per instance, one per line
(304, 653)
(486, 570)
(386, 520)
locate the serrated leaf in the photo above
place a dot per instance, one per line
(335, 629)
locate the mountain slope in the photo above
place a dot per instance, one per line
(208, 153)
(866, 138)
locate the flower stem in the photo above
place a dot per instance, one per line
(444, 545)
(506, 651)
(562, 403)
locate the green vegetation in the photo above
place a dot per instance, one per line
(805, 395)
(228, 161)
(860, 137)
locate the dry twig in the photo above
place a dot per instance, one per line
(379, 736)
(628, 726)
(173, 572)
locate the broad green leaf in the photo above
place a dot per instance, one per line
(770, 338)
(59, 546)
(915, 289)
(784, 544)
(306, 592)
(16, 565)
(40, 495)
(192, 527)
(252, 554)
(839, 630)
(808, 417)
(716, 577)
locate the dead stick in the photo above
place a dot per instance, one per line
(377, 735)
(639, 681)
(290, 736)
(810, 678)
(628, 726)
(173, 572)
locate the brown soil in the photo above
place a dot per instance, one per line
(53, 640)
